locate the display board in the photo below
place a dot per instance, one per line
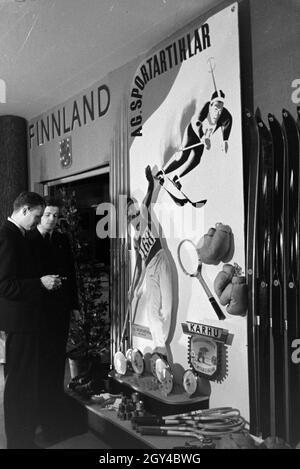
(186, 183)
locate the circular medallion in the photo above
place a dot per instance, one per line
(137, 361)
(120, 363)
(129, 354)
(160, 365)
(190, 382)
(167, 381)
(153, 359)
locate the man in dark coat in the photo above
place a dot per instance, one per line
(52, 251)
(20, 295)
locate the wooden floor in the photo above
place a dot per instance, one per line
(85, 441)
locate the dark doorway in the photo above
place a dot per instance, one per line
(81, 196)
(89, 193)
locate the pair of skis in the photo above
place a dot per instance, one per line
(273, 275)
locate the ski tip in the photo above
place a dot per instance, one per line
(259, 121)
(258, 113)
(272, 120)
(285, 113)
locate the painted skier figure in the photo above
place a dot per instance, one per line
(197, 136)
(152, 273)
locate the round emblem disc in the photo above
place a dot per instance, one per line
(189, 382)
(160, 365)
(167, 381)
(137, 361)
(155, 356)
(120, 363)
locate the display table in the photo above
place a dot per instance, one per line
(119, 433)
(155, 401)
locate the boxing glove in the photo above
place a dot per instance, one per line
(223, 279)
(232, 291)
(216, 245)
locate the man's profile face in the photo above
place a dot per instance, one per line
(32, 216)
(215, 111)
(50, 218)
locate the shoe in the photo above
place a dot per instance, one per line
(90, 388)
(176, 182)
(160, 173)
(160, 176)
(74, 383)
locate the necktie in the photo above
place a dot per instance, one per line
(47, 239)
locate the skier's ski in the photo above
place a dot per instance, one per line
(291, 303)
(251, 152)
(264, 266)
(182, 198)
(278, 396)
(177, 200)
(198, 204)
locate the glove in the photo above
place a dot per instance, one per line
(232, 291)
(217, 245)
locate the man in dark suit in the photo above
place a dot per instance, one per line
(20, 300)
(52, 250)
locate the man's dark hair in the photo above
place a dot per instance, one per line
(53, 202)
(31, 199)
(218, 94)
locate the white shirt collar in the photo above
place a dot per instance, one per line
(23, 231)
